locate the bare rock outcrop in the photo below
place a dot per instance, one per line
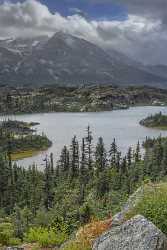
(135, 234)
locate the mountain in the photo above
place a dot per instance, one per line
(9, 61)
(69, 60)
(23, 45)
(160, 70)
(122, 58)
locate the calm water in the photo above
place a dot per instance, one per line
(121, 124)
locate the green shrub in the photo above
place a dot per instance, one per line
(153, 206)
(46, 237)
(7, 235)
(14, 242)
(74, 245)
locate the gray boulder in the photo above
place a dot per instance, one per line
(133, 200)
(135, 234)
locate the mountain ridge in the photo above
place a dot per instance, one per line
(69, 60)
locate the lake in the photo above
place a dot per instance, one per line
(123, 125)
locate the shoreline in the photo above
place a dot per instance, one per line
(27, 154)
(67, 111)
(156, 127)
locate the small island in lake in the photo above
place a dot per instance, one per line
(20, 140)
(155, 121)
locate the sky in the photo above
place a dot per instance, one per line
(137, 28)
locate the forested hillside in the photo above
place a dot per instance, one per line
(73, 99)
(88, 182)
(19, 140)
(155, 121)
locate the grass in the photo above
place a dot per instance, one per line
(25, 154)
(159, 127)
(156, 127)
(87, 234)
(153, 206)
(46, 237)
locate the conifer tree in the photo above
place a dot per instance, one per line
(102, 186)
(129, 157)
(74, 157)
(89, 150)
(113, 153)
(157, 156)
(64, 160)
(100, 156)
(124, 166)
(118, 161)
(52, 163)
(137, 153)
(48, 186)
(83, 166)
(19, 230)
(164, 160)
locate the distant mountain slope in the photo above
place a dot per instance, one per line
(23, 45)
(160, 70)
(66, 59)
(9, 61)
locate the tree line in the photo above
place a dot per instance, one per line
(87, 181)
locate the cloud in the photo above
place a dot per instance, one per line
(78, 12)
(148, 8)
(33, 18)
(141, 36)
(151, 8)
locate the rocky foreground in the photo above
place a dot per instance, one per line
(135, 234)
(138, 233)
(128, 229)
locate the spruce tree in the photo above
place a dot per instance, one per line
(74, 158)
(129, 157)
(83, 165)
(137, 153)
(164, 160)
(64, 161)
(118, 161)
(100, 156)
(52, 163)
(48, 186)
(89, 150)
(113, 153)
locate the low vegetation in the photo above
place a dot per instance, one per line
(46, 237)
(153, 205)
(87, 234)
(7, 234)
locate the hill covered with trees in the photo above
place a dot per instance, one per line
(74, 99)
(18, 140)
(155, 121)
